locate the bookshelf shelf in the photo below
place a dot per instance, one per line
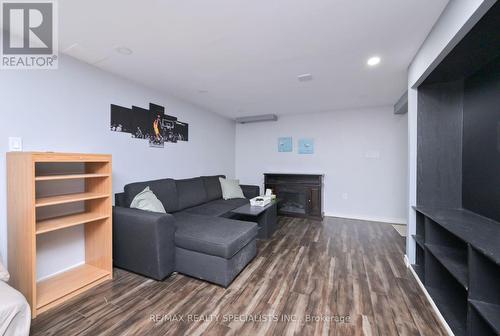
(454, 260)
(489, 312)
(62, 222)
(68, 177)
(419, 240)
(68, 198)
(67, 284)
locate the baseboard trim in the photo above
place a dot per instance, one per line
(60, 271)
(401, 221)
(429, 298)
(407, 261)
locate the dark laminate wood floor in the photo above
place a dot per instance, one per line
(348, 276)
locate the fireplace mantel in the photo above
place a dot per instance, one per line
(300, 195)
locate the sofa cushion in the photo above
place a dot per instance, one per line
(212, 186)
(191, 192)
(217, 208)
(147, 200)
(216, 236)
(231, 188)
(164, 189)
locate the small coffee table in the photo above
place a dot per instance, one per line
(265, 217)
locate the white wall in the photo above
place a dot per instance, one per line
(68, 110)
(455, 22)
(375, 188)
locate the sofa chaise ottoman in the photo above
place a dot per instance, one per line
(195, 237)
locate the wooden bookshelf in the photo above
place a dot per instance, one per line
(24, 203)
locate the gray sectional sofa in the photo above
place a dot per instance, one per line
(196, 237)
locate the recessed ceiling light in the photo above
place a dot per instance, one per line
(372, 61)
(305, 77)
(124, 51)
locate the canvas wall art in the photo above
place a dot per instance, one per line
(306, 146)
(150, 124)
(285, 144)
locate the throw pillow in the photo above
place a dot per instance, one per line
(4, 275)
(230, 188)
(147, 200)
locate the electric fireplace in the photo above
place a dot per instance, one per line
(299, 195)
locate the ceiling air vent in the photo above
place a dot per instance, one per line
(258, 118)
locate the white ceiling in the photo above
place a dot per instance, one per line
(246, 55)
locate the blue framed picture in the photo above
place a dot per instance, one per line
(285, 144)
(306, 146)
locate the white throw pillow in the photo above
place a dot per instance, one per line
(147, 200)
(4, 275)
(230, 188)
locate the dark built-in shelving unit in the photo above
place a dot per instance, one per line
(457, 238)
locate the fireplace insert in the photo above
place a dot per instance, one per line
(299, 195)
(292, 201)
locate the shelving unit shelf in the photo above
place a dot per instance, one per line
(419, 240)
(454, 260)
(490, 313)
(68, 198)
(453, 315)
(68, 177)
(460, 268)
(57, 223)
(39, 184)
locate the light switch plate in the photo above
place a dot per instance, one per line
(15, 144)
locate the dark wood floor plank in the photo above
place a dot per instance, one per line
(383, 315)
(331, 277)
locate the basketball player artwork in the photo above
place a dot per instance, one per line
(150, 124)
